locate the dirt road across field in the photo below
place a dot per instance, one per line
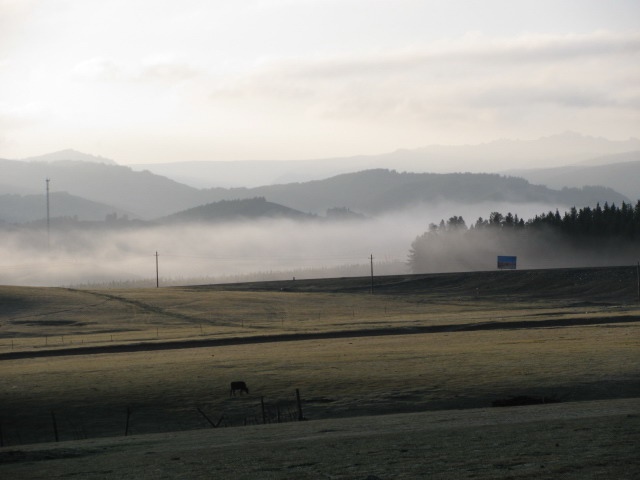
(463, 327)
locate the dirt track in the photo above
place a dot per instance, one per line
(465, 327)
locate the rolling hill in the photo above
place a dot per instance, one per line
(27, 208)
(70, 155)
(229, 210)
(399, 384)
(142, 193)
(146, 195)
(376, 191)
(620, 172)
(552, 151)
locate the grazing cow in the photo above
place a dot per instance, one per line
(238, 386)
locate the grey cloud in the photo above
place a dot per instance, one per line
(20, 116)
(501, 71)
(103, 69)
(97, 68)
(540, 94)
(512, 83)
(518, 51)
(262, 85)
(168, 70)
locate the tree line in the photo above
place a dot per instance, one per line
(578, 232)
(607, 220)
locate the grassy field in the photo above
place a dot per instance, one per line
(35, 319)
(575, 441)
(572, 335)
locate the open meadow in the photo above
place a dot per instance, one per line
(79, 365)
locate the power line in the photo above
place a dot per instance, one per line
(266, 257)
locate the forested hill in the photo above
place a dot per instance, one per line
(28, 208)
(228, 210)
(376, 191)
(142, 193)
(148, 196)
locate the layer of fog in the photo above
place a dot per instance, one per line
(464, 250)
(266, 249)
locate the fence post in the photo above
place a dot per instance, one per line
(55, 426)
(126, 427)
(299, 403)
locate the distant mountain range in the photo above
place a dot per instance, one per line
(557, 150)
(620, 171)
(70, 155)
(118, 189)
(91, 187)
(144, 194)
(376, 191)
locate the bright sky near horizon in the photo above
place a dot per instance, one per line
(144, 81)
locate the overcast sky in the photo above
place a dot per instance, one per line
(157, 81)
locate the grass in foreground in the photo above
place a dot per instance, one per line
(576, 441)
(53, 318)
(337, 378)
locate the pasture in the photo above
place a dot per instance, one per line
(418, 344)
(575, 441)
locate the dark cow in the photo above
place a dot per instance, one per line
(238, 386)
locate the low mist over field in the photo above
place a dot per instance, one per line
(80, 255)
(460, 251)
(323, 191)
(406, 115)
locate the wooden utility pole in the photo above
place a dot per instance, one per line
(48, 221)
(638, 276)
(372, 273)
(157, 276)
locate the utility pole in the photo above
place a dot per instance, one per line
(48, 221)
(157, 277)
(638, 276)
(372, 274)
